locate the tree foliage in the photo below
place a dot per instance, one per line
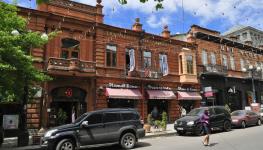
(16, 65)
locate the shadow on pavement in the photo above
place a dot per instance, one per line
(117, 147)
(212, 144)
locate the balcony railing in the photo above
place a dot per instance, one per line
(213, 69)
(71, 65)
(147, 73)
(256, 75)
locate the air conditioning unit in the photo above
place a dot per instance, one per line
(154, 74)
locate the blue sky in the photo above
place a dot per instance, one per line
(179, 15)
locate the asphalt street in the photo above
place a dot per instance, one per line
(237, 139)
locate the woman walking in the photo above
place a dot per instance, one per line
(206, 129)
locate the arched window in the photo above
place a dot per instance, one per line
(70, 48)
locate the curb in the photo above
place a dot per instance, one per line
(159, 135)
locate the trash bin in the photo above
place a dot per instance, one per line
(1, 136)
(23, 138)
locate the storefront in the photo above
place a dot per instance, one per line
(189, 99)
(123, 98)
(159, 102)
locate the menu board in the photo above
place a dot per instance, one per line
(10, 121)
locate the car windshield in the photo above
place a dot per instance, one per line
(196, 112)
(238, 113)
(80, 118)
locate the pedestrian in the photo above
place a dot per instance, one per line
(206, 127)
(183, 111)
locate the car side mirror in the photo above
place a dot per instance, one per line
(85, 124)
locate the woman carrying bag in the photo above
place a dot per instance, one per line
(206, 128)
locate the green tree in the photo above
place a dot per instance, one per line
(123, 2)
(16, 65)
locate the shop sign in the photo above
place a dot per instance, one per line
(187, 89)
(10, 121)
(158, 88)
(208, 92)
(127, 86)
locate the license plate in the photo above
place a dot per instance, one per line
(180, 128)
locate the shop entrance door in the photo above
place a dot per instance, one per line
(68, 103)
(159, 105)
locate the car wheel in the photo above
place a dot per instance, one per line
(243, 124)
(181, 133)
(199, 130)
(227, 126)
(128, 141)
(259, 122)
(65, 144)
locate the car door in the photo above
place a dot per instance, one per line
(212, 117)
(112, 121)
(94, 132)
(253, 117)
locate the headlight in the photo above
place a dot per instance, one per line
(175, 122)
(50, 132)
(190, 123)
(234, 120)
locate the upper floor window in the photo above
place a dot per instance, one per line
(224, 60)
(204, 57)
(163, 63)
(213, 58)
(244, 35)
(70, 48)
(232, 63)
(189, 62)
(111, 58)
(147, 56)
(242, 66)
(130, 59)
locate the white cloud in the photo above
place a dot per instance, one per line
(230, 12)
(156, 23)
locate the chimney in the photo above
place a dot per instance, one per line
(137, 26)
(166, 32)
(99, 15)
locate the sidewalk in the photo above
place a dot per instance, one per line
(11, 143)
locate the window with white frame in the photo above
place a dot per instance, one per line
(189, 63)
(111, 58)
(163, 63)
(232, 63)
(147, 59)
(242, 66)
(204, 57)
(224, 60)
(213, 58)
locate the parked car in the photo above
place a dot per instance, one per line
(110, 126)
(244, 118)
(219, 118)
(261, 113)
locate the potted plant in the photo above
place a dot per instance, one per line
(62, 117)
(164, 121)
(147, 126)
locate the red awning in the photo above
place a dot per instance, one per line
(123, 93)
(189, 96)
(160, 94)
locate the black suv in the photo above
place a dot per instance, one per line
(107, 126)
(220, 118)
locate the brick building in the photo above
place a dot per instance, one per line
(96, 66)
(223, 65)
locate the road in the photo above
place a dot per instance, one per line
(237, 139)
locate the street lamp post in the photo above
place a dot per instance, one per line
(253, 69)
